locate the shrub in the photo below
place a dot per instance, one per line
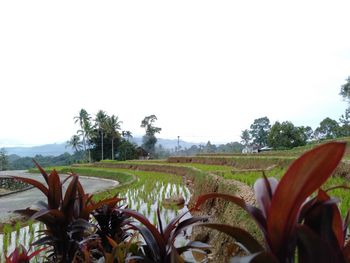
(66, 217)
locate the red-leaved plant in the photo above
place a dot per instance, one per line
(299, 221)
(159, 244)
(21, 255)
(66, 216)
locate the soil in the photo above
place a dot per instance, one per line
(220, 211)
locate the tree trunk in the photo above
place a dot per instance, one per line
(102, 144)
(112, 148)
(84, 143)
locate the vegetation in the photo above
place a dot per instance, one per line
(4, 163)
(295, 225)
(85, 128)
(286, 135)
(20, 163)
(259, 131)
(149, 140)
(112, 127)
(100, 120)
(69, 237)
(157, 246)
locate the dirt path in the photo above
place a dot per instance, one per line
(28, 198)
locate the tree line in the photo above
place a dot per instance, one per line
(101, 137)
(285, 135)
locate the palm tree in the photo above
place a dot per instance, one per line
(100, 121)
(127, 135)
(85, 126)
(75, 143)
(89, 133)
(112, 128)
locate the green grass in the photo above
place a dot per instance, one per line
(249, 178)
(123, 177)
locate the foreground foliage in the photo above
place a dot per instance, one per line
(296, 225)
(71, 235)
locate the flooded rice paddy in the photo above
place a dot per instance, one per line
(145, 196)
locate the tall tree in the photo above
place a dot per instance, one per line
(345, 90)
(328, 129)
(259, 131)
(127, 135)
(149, 140)
(100, 121)
(75, 143)
(84, 121)
(307, 132)
(345, 123)
(112, 128)
(286, 135)
(4, 163)
(245, 137)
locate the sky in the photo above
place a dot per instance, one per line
(206, 69)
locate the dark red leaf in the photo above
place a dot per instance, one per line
(346, 224)
(185, 224)
(158, 251)
(303, 177)
(260, 257)
(55, 190)
(346, 252)
(70, 196)
(193, 244)
(254, 212)
(323, 217)
(241, 236)
(37, 252)
(313, 249)
(27, 212)
(42, 171)
(157, 236)
(34, 183)
(172, 225)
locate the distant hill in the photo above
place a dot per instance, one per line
(44, 150)
(167, 143)
(60, 148)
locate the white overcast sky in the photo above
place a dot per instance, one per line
(206, 69)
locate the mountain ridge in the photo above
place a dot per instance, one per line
(56, 149)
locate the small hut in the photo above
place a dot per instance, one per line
(142, 153)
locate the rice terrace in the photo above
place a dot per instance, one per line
(216, 222)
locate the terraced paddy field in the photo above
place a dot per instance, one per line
(145, 184)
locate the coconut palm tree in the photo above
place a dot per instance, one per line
(112, 128)
(75, 143)
(100, 122)
(85, 126)
(127, 135)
